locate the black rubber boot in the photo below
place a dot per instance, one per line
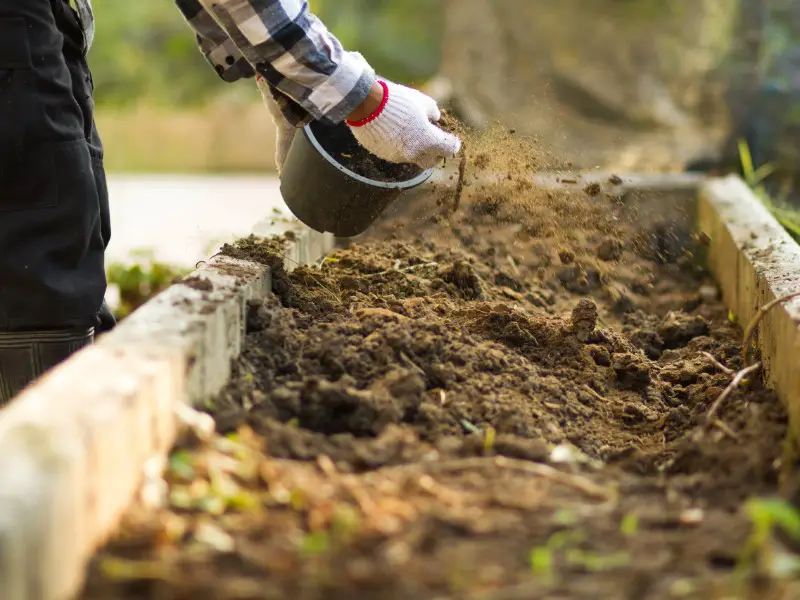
(26, 355)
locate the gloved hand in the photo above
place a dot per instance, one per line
(402, 130)
(285, 129)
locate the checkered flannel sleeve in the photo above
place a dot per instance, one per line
(314, 77)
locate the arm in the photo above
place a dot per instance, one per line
(219, 50)
(290, 48)
(309, 77)
(228, 61)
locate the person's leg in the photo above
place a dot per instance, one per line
(53, 205)
(83, 91)
(25, 355)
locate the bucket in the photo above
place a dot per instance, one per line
(334, 185)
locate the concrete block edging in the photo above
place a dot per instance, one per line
(755, 261)
(74, 447)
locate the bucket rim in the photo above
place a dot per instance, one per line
(393, 185)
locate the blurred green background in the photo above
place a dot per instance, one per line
(555, 70)
(162, 108)
(144, 52)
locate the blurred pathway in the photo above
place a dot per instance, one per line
(182, 219)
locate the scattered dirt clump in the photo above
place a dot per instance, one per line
(615, 180)
(584, 319)
(197, 283)
(257, 249)
(593, 189)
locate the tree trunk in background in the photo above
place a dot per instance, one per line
(592, 79)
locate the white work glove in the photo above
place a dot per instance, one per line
(403, 130)
(285, 129)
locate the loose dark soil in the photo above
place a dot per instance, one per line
(259, 250)
(506, 404)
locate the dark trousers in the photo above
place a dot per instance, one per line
(54, 214)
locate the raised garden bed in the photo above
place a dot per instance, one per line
(530, 398)
(527, 399)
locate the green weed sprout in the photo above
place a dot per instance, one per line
(755, 177)
(767, 516)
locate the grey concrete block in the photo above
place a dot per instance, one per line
(204, 317)
(756, 262)
(43, 517)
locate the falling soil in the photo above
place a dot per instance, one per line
(506, 404)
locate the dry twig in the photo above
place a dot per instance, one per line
(594, 393)
(462, 171)
(725, 429)
(395, 269)
(357, 492)
(580, 484)
(735, 383)
(751, 328)
(329, 291)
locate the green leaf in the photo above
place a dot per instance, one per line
(565, 517)
(345, 522)
(542, 562)
(775, 511)
(315, 543)
(762, 172)
(629, 525)
(181, 464)
(746, 160)
(489, 439)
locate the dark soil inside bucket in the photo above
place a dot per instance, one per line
(342, 146)
(506, 404)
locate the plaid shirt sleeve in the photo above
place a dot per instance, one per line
(315, 79)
